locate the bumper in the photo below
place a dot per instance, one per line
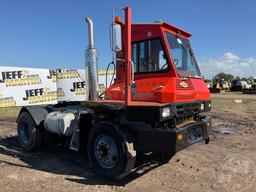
(173, 140)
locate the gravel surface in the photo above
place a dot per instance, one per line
(228, 163)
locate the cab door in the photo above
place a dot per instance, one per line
(151, 69)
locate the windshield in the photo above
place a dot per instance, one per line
(183, 56)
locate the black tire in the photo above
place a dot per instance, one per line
(30, 136)
(125, 155)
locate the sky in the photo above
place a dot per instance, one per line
(53, 33)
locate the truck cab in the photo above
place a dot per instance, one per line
(164, 67)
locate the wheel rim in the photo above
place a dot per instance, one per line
(24, 132)
(105, 151)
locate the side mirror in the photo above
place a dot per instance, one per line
(116, 37)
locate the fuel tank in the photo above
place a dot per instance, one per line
(61, 123)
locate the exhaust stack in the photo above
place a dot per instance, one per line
(90, 32)
(91, 64)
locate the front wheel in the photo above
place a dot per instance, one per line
(109, 152)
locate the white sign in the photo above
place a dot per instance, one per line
(30, 86)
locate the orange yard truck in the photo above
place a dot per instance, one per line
(156, 103)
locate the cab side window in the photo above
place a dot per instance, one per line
(149, 56)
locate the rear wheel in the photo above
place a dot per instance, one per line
(30, 136)
(110, 154)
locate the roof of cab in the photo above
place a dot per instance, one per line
(167, 26)
(175, 29)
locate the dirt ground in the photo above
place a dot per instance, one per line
(228, 163)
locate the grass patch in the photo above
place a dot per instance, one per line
(9, 112)
(222, 104)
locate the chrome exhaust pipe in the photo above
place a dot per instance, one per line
(91, 64)
(90, 32)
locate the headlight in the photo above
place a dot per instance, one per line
(166, 112)
(202, 106)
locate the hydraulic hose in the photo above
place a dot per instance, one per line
(106, 80)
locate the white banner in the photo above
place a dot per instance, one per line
(30, 86)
